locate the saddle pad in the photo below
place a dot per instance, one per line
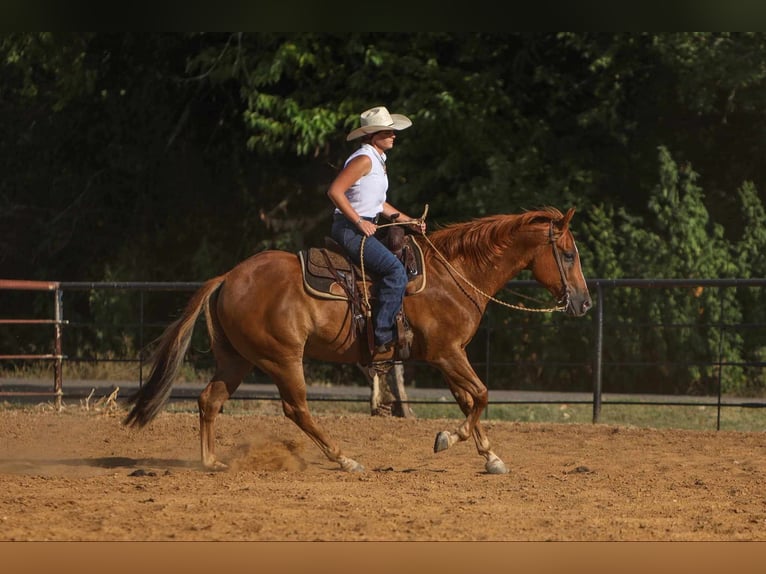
(320, 281)
(320, 259)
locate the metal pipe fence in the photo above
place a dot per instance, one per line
(101, 300)
(57, 321)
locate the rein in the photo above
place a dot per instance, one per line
(556, 255)
(490, 297)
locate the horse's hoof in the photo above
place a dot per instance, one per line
(442, 441)
(350, 465)
(495, 466)
(216, 466)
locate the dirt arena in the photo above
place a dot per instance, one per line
(81, 476)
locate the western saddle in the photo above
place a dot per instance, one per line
(329, 273)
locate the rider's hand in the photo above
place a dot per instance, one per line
(367, 227)
(419, 225)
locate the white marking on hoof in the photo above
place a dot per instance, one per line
(216, 466)
(350, 465)
(495, 466)
(442, 441)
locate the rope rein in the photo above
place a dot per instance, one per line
(490, 297)
(455, 271)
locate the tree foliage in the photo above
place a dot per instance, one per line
(172, 156)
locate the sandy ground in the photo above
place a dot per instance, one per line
(81, 476)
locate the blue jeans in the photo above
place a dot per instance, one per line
(390, 275)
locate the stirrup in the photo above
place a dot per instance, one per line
(385, 350)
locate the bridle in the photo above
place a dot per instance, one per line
(565, 287)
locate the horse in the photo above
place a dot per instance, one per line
(260, 315)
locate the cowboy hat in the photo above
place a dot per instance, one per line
(378, 119)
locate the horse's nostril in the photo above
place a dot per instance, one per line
(587, 304)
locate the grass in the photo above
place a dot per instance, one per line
(691, 417)
(104, 369)
(696, 417)
(702, 418)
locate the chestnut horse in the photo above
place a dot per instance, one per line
(260, 315)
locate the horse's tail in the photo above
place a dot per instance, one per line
(169, 356)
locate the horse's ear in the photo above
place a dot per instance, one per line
(563, 223)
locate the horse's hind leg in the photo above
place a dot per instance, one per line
(230, 371)
(290, 381)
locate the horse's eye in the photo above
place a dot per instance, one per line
(569, 256)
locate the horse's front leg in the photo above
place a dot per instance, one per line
(472, 397)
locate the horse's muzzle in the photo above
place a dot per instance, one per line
(578, 305)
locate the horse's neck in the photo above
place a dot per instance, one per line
(489, 252)
(492, 278)
(485, 279)
(475, 262)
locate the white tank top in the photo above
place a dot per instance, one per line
(368, 194)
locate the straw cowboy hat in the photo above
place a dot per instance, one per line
(378, 119)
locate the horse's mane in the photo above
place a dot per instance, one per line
(482, 239)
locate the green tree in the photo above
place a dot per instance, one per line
(675, 329)
(172, 156)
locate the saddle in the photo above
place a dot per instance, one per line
(328, 273)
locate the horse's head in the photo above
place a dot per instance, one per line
(557, 267)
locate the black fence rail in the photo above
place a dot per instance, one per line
(719, 363)
(88, 316)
